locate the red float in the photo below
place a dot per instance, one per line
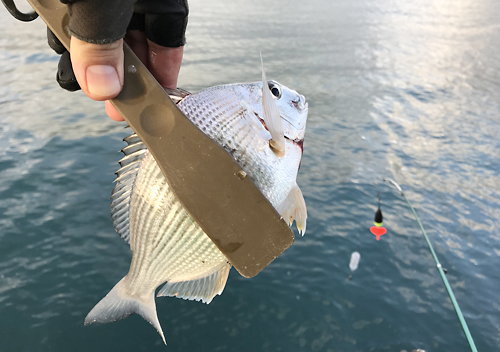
(378, 231)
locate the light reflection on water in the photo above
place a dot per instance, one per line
(400, 89)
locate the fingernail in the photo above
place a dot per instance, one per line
(102, 80)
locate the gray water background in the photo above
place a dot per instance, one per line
(401, 89)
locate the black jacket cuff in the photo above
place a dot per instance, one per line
(99, 21)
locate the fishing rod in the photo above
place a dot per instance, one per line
(441, 271)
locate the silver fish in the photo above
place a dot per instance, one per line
(262, 126)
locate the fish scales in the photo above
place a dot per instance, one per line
(167, 245)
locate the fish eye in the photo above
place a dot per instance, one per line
(275, 89)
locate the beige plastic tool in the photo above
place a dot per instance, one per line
(208, 182)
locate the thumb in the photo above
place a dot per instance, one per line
(98, 67)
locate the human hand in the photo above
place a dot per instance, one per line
(155, 33)
(98, 68)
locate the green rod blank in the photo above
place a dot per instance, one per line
(441, 272)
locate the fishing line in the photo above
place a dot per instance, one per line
(441, 271)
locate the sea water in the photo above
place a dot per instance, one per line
(396, 89)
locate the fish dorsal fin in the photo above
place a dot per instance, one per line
(126, 175)
(202, 289)
(294, 208)
(272, 117)
(125, 178)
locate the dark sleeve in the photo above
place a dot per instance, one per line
(105, 21)
(99, 21)
(163, 21)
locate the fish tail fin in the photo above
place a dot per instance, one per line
(118, 305)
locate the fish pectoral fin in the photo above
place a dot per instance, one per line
(117, 305)
(201, 289)
(294, 208)
(272, 117)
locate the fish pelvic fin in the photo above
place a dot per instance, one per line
(203, 289)
(272, 117)
(293, 208)
(118, 305)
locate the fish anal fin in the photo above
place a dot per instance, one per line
(117, 305)
(272, 117)
(202, 289)
(293, 208)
